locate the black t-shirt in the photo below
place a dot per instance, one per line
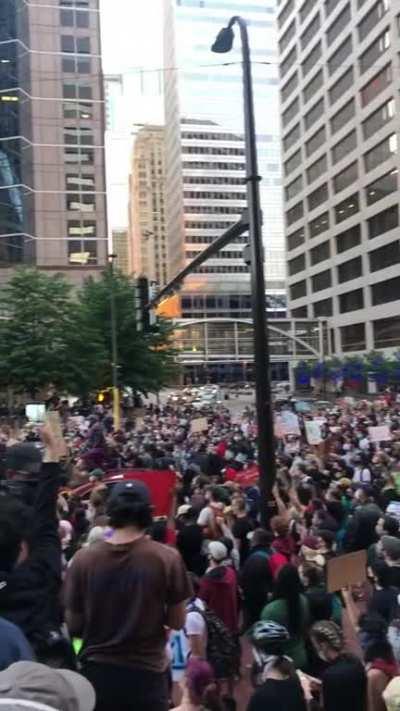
(276, 695)
(240, 529)
(384, 602)
(395, 576)
(344, 685)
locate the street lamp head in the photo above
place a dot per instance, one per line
(224, 41)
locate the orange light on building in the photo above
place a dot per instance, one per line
(170, 307)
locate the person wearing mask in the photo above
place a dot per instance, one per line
(257, 575)
(120, 596)
(290, 608)
(344, 680)
(219, 589)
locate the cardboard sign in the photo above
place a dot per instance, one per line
(53, 422)
(198, 425)
(313, 432)
(379, 434)
(345, 570)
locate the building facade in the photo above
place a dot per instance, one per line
(120, 248)
(53, 212)
(340, 112)
(147, 231)
(205, 157)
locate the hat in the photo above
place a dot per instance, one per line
(391, 546)
(391, 695)
(59, 689)
(344, 482)
(23, 457)
(218, 551)
(131, 488)
(183, 510)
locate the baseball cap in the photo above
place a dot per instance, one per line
(23, 457)
(133, 489)
(391, 695)
(183, 510)
(391, 546)
(59, 689)
(218, 551)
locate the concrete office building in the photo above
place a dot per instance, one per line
(147, 232)
(205, 158)
(340, 82)
(52, 184)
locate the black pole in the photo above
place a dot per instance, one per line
(114, 346)
(265, 422)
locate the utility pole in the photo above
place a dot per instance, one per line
(114, 346)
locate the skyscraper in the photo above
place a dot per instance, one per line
(340, 82)
(147, 234)
(51, 137)
(205, 187)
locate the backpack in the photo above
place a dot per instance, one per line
(222, 648)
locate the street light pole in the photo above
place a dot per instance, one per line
(265, 423)
(114, 346)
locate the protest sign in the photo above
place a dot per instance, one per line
(198, 425)
(313, 432)
(53, 422)
(290, 423)
(345, 570)
(379, 434)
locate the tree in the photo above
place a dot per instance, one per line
(145, 360)
(37, 311)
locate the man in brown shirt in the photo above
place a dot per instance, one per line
(120, 596)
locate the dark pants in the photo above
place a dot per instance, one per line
(127, 689)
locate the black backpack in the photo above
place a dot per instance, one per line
(222, 648)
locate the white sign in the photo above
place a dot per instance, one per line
(313, 432)
(198, 425)
(379, 434)
(290, 423)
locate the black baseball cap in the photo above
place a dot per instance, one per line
(133, 490)
(23, 457)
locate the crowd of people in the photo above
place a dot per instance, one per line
(104, 606)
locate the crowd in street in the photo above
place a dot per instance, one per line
(105, 606)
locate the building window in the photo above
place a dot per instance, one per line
(311, 31)
(81, 228)
(320, 253)
(380, 153)
(371, 19)
(287, 37)
(339, 25)
(300, 312)
(292, 137)
(81, 202)
(384, 257)
(351, 301)
(75, 45)
(343, 116)
(317, 197)
(314, 113)
(292, 163)
(347, 208)
(294, 214)
(77, 91)
(385, 291)
(387, 332)
(82, 252)
(338, 59)
(319, 225)
(376, 85)
(79, 155)
(322, 280)
(353, 337)
(345, 146)
(316, 141)
(285, 13)
(311, 60)
(349, 270)
(74, 17)
(323, 308)
(295, 239)
(330, 6)
(374, 51)
(345, 178)
(288, 62)
(294, 188)
(291, 112)
(348, 239)
(341, 86)
(381, 187)
(298, 289)
(378, 119)
(76, 65)
(383, 222)
(290, 86)
(306, 8)
(77, 110)
(80, 182)
(317, 169)
(298, 264)
(313, 86)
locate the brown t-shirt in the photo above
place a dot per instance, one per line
(122, 592)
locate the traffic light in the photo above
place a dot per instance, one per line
(145, 292)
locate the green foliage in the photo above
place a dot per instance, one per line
(51, 335)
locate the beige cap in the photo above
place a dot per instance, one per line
(60, 689)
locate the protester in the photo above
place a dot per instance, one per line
(219, 588)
